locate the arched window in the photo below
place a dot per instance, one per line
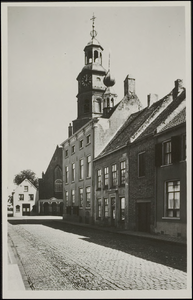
(90, 57)
(17, 208)
(108, 102)
(58, 185)
(96, 56)
(112, 102)
(58, 179)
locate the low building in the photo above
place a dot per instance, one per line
(25, 199)
(51, 187)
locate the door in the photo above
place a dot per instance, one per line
(143, 216)
(26, 210)
(113, 211)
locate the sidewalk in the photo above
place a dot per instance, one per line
(151, 236)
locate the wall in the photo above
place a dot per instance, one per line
(84, 214)
(177, 171)
(141, 189)
(117, 191)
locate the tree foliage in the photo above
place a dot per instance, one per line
(26, 174)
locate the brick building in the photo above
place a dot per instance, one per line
(51, 187)
(132, 202)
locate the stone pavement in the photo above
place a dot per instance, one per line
(58, 260)
(161, 237)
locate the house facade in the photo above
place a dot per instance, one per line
(51, 187)
(136, 202)
(171, 190)
(25, 199)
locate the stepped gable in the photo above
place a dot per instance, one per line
(168, 111)
(177, 120)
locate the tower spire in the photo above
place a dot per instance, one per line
(93, 33)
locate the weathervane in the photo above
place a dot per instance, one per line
(93, 33)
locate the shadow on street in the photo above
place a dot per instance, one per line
(162, 252)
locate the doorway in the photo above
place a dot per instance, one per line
(26, 210)
(143, 218)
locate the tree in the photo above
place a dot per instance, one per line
(26, 174)
(10, 199)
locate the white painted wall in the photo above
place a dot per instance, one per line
(20, 190)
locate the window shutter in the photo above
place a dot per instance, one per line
(158, 155)
(176, 148)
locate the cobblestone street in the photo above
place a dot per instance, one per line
(59, 256)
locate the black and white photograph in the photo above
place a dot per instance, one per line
(96, 150)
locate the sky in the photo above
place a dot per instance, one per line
(45, 44)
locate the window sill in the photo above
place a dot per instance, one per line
(89, 177)
(162, 166)
(88, 207)
(81, 179)
(98, 189)
(88, 144)
(170, 218)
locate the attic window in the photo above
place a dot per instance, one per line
(25, 188)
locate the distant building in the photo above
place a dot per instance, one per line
(51, 187)
(25, 199)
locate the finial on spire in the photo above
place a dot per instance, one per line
(93, 33)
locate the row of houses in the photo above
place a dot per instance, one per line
(122, 165)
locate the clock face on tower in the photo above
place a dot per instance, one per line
(86, 80)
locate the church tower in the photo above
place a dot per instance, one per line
(90, 83)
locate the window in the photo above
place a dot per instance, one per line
(98, 179)
(31, 196)
(66, 174)
(73, 197)
(141, 164)
(58, 185)
(106, 207)
(122, 173)
(25, 188)
(81, 196)
(81, 165)
(89, 166)
(122, 208)
(88, 194)
(73, 172)
(17, 208)
(106, 176)
(81, 144)
(66, 153)
(21, 196)
(66, 197)
(114, 175)
(73, 149)
(88, 139)
(99, 208)
(167, 153)
(173, 199)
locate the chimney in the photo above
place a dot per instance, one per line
(151, 98)
(178, 85)
(70, 130)
(129, 85)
